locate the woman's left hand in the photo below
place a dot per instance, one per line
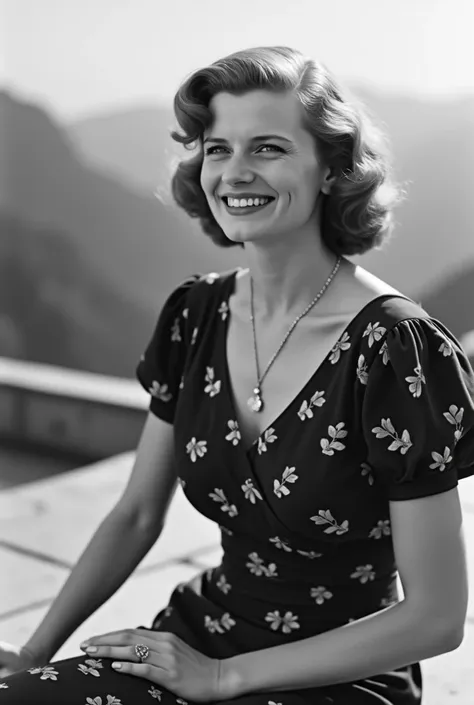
(171, 663)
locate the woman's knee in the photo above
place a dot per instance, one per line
(71, 681)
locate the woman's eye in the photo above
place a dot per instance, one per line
(273, 146)
(212, 150)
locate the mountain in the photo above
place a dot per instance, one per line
(129, 239)
(131, 144)
(54, 310)
(85, 261)
(433, 151)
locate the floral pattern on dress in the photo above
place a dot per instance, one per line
(250, 492)
(441, 461)
(364, 573)
(91, 667)
(219, 496)
(402, 443)
(269, 436)
(223, 585)
(213, 386)
(362, 370)
(384, 353)
(45, 672)
(455, 416)
(306, 409)
(196, 449)
(325, 517)
(223, 310)
(219, 625)
(374, 333)
(342, 345)
(320, 594)
(280, 543)
(176, 332)
(382, 529)
(446, 348)
(366, 471)
(279, 487)
(416, 381)
(234, 436)
(160, 391)
(335, 433)
(287, 622)
(256, 567)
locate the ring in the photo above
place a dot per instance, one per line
(142, 652)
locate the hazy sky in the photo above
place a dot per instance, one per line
(81, 56)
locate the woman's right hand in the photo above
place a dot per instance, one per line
(17, 658)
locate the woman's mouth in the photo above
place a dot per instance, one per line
(246, 206)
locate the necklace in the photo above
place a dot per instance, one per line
(255, 402)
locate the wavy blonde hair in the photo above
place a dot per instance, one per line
(357, 215)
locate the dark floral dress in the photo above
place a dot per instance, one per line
(304, 513)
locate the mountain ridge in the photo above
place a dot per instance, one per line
(64, 179)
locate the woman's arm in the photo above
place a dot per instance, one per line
(122, 539)
(116, 548)
(429, 551)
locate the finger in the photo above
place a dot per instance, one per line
(125, 653)
(150, 671)
(120, 637)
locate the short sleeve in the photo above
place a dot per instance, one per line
(418, 411)
(161, 367)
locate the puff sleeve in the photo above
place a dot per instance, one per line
(161, 367)
(418, 411)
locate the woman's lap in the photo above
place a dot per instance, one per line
(79, 681)
(86, 681)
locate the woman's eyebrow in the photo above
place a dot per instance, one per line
(219, 140)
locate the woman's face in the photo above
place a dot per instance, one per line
(241, 159)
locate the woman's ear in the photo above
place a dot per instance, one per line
(328, 182)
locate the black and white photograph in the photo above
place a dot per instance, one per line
(236, 352)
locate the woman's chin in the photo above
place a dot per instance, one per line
(242, 237)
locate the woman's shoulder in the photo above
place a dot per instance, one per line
(212, 286)
(212, 278)
(199, 285)
(367, 292)
(385, 316)
(203, 293)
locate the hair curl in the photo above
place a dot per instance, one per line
(357, 215)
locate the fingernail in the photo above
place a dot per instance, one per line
(83, 645)
(116, 665)
(91, 649)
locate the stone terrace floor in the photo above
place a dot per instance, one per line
(45, 525)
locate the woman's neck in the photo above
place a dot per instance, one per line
(286, 279)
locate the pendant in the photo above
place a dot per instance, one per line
(255, 402)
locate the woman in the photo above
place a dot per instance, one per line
(318, 415)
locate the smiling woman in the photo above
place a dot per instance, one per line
(330, 473)
(309, 116)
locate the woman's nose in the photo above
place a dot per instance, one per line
(237, 169)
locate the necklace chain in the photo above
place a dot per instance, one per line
(255, 402)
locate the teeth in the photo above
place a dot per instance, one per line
(245, 202)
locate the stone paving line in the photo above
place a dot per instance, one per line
(45, 525)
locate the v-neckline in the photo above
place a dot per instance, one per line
(229, 290)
